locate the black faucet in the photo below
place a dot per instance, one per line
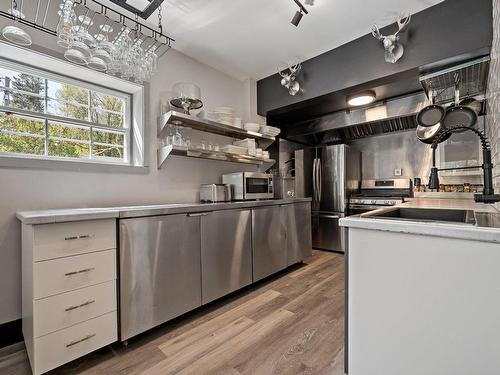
(488, 195)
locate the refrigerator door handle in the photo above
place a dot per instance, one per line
(314, 179)
(319, 179)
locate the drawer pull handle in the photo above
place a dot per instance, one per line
(81, 305)
(88, 337)
(80, 237)
(80, 271)
(83, 236)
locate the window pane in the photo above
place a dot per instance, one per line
(107, 118)
(68, 93)
(22, 81)
(64, 109)
(22, 144)
(20, 124)
(19, 100)
(78, 133)
(22, 135)
(69, 141)
(108, 144)
(108, 102)
(107, 151)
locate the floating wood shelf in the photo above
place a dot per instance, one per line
(166, 151)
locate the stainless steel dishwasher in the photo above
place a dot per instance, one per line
(160, 270)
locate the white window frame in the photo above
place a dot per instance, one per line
(15, 58)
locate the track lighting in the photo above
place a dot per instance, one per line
(299, 14)
(296, 19)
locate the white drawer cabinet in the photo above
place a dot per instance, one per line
(66, 309)
(65, 239)
(58, 348)
(65, 274)
(69, 290)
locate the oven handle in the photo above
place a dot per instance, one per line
(367, 207)
(329, 216)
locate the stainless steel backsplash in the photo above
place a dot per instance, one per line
(493, 97)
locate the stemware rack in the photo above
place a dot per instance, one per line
(207, 126)
(43, 17)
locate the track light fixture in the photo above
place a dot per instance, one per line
(299, 14)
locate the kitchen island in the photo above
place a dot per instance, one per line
(423, 296)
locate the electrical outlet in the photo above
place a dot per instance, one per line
(398, 171)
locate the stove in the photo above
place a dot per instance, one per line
(378, 194)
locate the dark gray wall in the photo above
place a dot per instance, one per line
(451, 31)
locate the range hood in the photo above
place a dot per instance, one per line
(393, 115)
(390, 116)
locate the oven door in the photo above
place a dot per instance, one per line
(258, 186)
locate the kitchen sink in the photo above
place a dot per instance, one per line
(424, 214)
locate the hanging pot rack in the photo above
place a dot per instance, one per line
(152, 38)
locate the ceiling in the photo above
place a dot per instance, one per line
(249, 38)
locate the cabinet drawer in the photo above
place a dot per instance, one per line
(64, 310)
(65, 274)
(59, 240)
(60, 347)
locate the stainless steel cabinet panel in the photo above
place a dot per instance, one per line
(297, 221)
(268, 239)
(160, 270)
(226, 252)
(326, 232)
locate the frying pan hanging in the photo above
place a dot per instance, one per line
(432, 114)
(459, 114)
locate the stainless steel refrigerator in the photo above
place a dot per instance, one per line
(329, 175)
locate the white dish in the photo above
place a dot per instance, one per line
(270, 130)
(252, 127)
(232, 149)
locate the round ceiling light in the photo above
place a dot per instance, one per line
(362, 98)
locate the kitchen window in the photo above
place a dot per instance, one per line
(48, 116)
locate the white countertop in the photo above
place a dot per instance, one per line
(78, 214)
(432, 228)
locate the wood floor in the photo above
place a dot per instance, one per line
(292, 323)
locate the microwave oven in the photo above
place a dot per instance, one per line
(249, 185)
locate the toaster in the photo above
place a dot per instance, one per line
(213, 193)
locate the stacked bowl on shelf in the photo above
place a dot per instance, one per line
(270, 131)
(224, 115)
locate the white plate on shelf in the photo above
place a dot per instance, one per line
(252, 127)
(232, 149)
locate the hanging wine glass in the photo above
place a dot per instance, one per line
(14, 33)
(65, 25)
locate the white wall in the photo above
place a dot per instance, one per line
(33, 189)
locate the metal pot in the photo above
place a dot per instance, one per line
(473, 104)
(429, 134)
(432, 114)
(458, 114)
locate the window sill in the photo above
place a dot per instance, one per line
(7, 161)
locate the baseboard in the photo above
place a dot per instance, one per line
(11, 333)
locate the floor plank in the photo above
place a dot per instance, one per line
(291, 323)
